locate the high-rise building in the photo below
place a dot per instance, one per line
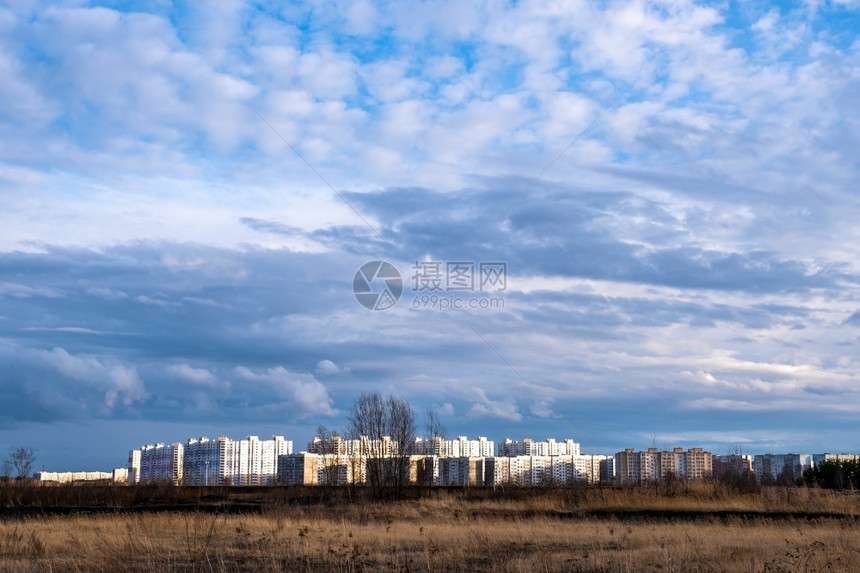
(157, 463)
(202, 461)
(224, 461)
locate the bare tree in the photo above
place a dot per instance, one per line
(21, 462)
(434, 425)
(386, 427)
(435, 432)
(327, 445)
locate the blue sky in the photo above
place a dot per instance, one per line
(672, 186)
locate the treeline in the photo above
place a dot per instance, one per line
(834, 474)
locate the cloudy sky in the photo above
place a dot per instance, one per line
(187, 193)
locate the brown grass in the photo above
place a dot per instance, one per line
(564, 530)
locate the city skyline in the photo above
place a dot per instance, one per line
(626, 222)
(503, 447)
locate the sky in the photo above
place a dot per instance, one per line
(667, 189)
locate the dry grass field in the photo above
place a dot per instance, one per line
(701, 528)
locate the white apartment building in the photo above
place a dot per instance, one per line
(116, 476)
(462, 447)
(529, 447)
(157, 462)
(225, 461)
(202, 461)
(133, 467)
(547, 470)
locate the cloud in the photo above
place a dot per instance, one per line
(329, 368)
(188, 193)
(541, 409)
(487, 408)
(196, 376)
(300, 395)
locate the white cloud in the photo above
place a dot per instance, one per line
(300, 395)
(119, 383)
(329, 368)
(541, 409)
(194, 376)
(487, 408)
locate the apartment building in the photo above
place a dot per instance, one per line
(732, 464)
(118, 476)
(529, 447)
(772, 468)
(461, 447)
(202, 461)
(818, 459)
(547, 470)
(632, 467)
(224, 461)
(299, 469)
(157, 463)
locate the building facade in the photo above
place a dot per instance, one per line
(652, 465)
(157, 463)
(775, 468)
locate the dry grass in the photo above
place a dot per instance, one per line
(554, 532)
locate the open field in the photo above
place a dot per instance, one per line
(701, 528)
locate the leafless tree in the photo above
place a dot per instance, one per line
(21, 462)
(434, 429)
(434, 425)
(388, 427)
(327, 447)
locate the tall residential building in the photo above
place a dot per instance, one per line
(133, 467)
(157, 463)
(225, 461)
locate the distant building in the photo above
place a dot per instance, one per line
(299, 469)
(225, 461)
(547, 470)
(732, 464)
(157, 463)
(529, 447)
(818, 459)
(652, 465)
(773, 468)
(118, 476)
(462, 447)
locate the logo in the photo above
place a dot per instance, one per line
(377, 285)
